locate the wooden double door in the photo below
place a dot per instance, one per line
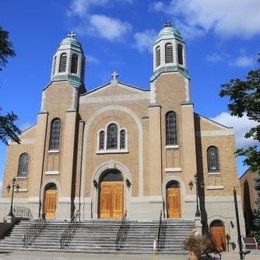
(50, 202)
(111, 199)
(219, 237)
(174, 202)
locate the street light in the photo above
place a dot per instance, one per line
(12, 186)
(197, 214)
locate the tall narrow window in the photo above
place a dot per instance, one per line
(213, 160)
(122, 139)
(55, 134)
(23, 165)
(102, 140)
(63, 62)
(158, 56)
(74, 64)
(168, 53)
(180, 54)
(112, 136)
(171, 128)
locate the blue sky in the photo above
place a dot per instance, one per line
(222, 39)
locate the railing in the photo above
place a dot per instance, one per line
(34, 231)
(160, 234)
(22, 212)
(122, 233)
(69, 231)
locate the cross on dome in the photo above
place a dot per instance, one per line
(71, 34)
(114, 75)
(168, 24)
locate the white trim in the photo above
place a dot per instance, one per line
(52, 173)
(174, 146)
(21, 177)
(111, 151)
(176, 169)
(220, 187)
(214, 173)
(21, 190)
(214, 133)
(53, 151)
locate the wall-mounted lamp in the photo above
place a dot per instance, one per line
(128, 183)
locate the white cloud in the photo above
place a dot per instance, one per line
(240, 125)
(243, 61)
(214, 57)
(225, 18)
(109, 28)
(144, 40)
(92, 59)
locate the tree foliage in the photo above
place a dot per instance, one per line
(244, 98)
(8, 129)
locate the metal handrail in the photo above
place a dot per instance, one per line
(69, 231)
(158, 241)
(122, 232)
(33, 232)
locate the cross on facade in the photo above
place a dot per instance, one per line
(168, 24)
(71, 34)
(114, 75)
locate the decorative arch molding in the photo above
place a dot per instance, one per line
(127, 184)
(112, 165)
(140, 147)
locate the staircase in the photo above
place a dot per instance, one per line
(98, 236)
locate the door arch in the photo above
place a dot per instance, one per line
(173, 199)
(111, 194)
(218, 234)
(50, 201)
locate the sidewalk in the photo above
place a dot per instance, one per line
(21, 255)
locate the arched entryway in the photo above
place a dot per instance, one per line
(173, 199)
(50, 201)
(217, 230)
(111, 194)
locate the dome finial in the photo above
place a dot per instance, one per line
(72, 34)
(168, 24)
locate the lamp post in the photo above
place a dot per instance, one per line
(12, 186)
(197, 213)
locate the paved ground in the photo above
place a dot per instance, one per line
(255, 255)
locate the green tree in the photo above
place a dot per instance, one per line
(244, 98)
(8, 129)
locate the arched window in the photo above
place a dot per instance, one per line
(168, 53)
(23, 165)
(55, 134)
(180, 54)
(63, 62)
(171, 128)
(112, 136)
(158, 56)
(74, 64)
(122, 139)
(213, 161)
(102, 140)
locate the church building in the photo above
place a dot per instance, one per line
(119, 149)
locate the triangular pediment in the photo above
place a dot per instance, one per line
(114, 91)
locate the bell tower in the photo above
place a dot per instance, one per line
(169, 52)
(69, 62)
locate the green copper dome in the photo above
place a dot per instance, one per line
(70, 42)
(168, 32)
